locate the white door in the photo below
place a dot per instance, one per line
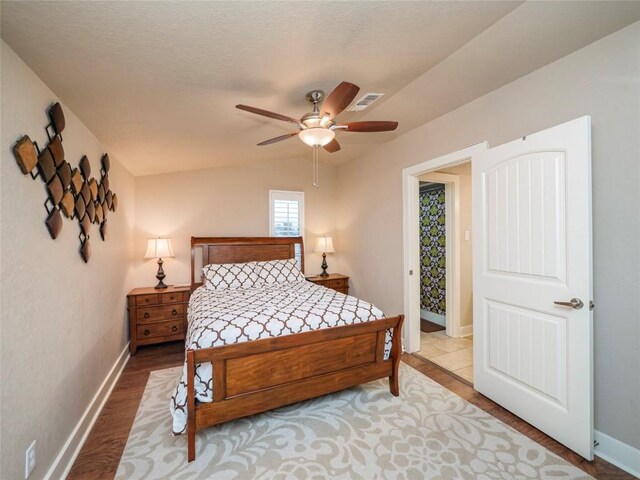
(532, 249)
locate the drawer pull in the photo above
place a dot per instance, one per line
(174, 329)
(174, 312)
(172, 297)
(146, 300)
(147, 332)
(146, 315)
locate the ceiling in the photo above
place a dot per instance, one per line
(157, 82)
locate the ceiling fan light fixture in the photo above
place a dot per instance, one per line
(317, 136)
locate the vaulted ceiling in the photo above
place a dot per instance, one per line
(157, 82)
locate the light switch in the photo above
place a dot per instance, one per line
(467, 235)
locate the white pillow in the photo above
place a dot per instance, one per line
(279, 271)
(219, 276)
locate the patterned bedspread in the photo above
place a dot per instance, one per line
(224, 317)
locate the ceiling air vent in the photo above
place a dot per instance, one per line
(365, 101)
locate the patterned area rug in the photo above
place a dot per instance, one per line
(360, 433)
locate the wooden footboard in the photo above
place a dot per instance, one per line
(257, 376)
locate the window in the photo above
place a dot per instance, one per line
(286, 213)
(286, 216)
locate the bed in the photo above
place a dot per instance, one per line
(316, 341)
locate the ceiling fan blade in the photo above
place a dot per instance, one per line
(332, 146)
(339, 99)
(278, 139)
(267, 113)
(369, 126)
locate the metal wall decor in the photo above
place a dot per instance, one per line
(71, 192)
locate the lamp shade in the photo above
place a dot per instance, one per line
(316, 136)
(159, 248)
(324, 245)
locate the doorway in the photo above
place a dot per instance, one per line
(445, 276)
(411, 235)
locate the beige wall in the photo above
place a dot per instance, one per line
(466, 253)
(227, 201)
(63, 321)
(463, 173)
(601, 80)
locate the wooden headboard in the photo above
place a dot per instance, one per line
(241, 250)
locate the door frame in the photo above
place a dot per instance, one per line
(411, 242)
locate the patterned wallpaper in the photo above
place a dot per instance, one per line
(432, 250)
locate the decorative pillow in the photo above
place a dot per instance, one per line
(219, 276)
(279, 271)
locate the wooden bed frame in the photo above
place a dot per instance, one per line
(253, 377)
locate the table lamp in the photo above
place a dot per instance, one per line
(159, 248)
(324, 245)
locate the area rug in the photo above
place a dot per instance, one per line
(361, 433)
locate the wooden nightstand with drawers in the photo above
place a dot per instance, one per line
(157, 316)
(335, 281)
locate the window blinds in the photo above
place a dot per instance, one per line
(286, 218)
(286, 213)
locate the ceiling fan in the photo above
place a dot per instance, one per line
(318, 128)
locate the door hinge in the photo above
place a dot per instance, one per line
(410, 272)
(591, 305)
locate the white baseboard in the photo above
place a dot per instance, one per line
(618, 453)
(433, 317)
(64, 461)
(465, 331)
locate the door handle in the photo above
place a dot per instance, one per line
(575, 303)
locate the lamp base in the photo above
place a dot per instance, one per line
(160, 276)
(324, 266)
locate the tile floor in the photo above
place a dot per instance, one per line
(454, 354)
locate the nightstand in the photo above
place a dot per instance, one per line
(157, 316)
(335, 281)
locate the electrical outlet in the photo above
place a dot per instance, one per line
(30, 459)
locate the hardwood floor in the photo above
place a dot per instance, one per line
(101, 453)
